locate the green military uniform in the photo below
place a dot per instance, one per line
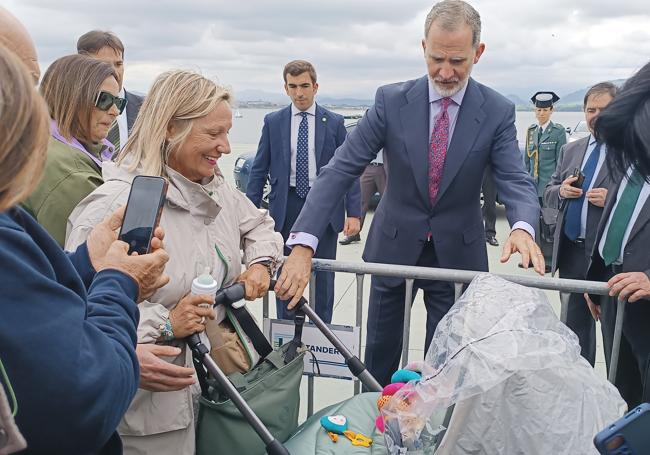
(542, 152)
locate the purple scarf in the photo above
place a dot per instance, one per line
(106, 153)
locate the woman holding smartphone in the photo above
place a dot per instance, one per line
(67, 320)
(180, 134)
(81, 93)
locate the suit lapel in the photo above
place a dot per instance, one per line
(602, 174)
(285, 136)
(641, 221)
(415, 125)
(468, 125)
(132, 108)
(320, 123)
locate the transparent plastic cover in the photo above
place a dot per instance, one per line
(503, 375)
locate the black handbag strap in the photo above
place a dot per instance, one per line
(252, 330)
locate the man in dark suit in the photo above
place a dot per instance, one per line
(438, 132)
(621, 247)
(108, 47)
(296, 143)
(580, 209)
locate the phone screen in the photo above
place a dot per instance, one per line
(142, 212)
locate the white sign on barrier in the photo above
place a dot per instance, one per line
(330, 361)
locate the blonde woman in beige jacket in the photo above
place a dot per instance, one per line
(180, 134)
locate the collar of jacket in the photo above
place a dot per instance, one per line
(203, 200)
(199, 199)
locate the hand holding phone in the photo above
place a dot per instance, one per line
(143, 211)
(581, 178)
(628, 435)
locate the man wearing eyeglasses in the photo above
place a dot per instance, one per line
(106, 46)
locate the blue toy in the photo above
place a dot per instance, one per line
(405, 376)
(335, 424)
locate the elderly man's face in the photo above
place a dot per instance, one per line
(450, 56)
(595, 104)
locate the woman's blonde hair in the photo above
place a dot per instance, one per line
(24, 131)
(175, 100)
(70, 87)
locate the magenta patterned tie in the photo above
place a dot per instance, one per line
(438, 149)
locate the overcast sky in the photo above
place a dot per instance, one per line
(355, 45)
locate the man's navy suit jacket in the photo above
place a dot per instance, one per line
(273, 158)
(399, 123)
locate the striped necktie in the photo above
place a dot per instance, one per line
(114, 135)
(621, 218)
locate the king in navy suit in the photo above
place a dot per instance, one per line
(438, 133)
(296, 143)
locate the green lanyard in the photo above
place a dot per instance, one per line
(5, 378)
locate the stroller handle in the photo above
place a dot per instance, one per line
(237, 291)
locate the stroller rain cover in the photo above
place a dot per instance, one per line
(514, 375)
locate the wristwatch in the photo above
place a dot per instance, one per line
(270, 266)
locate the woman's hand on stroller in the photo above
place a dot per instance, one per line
(188, 316)
(256, 279)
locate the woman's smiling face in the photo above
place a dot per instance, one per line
(208, 140)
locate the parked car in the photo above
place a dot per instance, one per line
(579, 131)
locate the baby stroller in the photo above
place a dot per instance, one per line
(290, 353)
(503, 375)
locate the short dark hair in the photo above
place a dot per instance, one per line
(600, 89)
(297, 67)
(623, 125)
(94, 40)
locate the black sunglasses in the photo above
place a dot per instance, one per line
(105, 100)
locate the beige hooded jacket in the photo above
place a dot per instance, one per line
(204, 224)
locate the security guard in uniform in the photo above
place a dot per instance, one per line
(544, 140)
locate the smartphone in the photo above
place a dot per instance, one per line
(581, 178)
(143, 211)
(628, 435)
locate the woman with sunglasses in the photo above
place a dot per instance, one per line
(81, 94)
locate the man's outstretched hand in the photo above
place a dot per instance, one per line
(521, 241)
(295, 275)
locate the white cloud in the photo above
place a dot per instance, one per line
(355, 46)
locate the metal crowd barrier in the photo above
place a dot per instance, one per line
(459, 278)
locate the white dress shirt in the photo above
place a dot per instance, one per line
(599, 165)
(122, 123)
(296, 118)
(643, 197)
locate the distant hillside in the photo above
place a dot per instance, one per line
(246, 96)
(516, 99)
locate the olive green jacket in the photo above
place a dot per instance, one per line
(68, 177)
(541, 156)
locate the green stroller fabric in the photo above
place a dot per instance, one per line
(271, 389)
(361, 412)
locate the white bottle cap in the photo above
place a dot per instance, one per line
(205, 283)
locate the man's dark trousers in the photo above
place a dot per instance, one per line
(386, 316)
(633, 369)
(326, 250)
(573, 265)
(372, 180)
(489, 203)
